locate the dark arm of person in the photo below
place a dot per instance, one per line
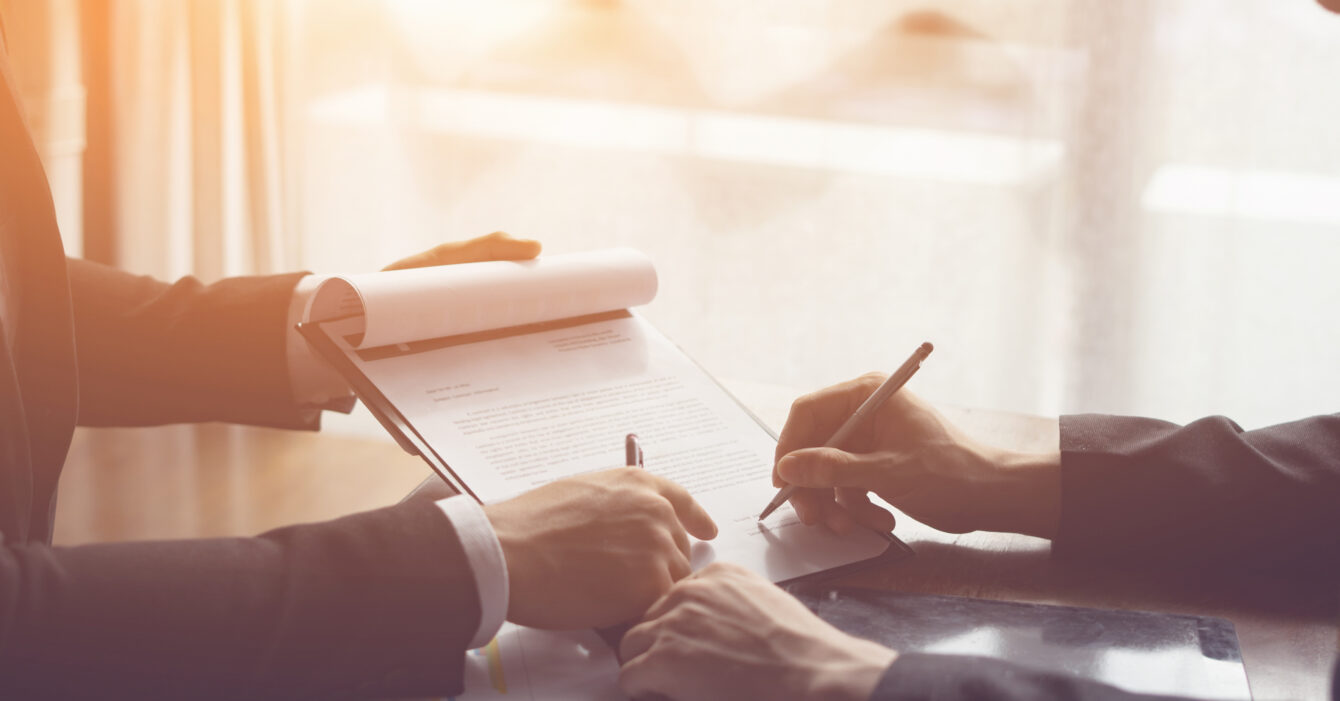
(374, 604)
(1126, 489)
(150, 352)
(921, 677)
(1135, 489)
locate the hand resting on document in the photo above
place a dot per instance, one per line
(587, 551)
(727, 633)
(913, 458)
(597, 549)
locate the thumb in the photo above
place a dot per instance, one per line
(830, 467)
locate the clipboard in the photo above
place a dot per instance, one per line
(385, 412)
(411, 441)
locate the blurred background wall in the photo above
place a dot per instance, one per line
(1088, 206)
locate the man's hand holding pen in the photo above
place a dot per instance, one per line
(596, 549)
(914, 459)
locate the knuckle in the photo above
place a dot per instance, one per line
(631, 477)
(696, 589)
(802, 404)
(647, 560)
(677, 596)
(663, 543)
(638, 638)
(661, 509)
(872, 379)
(716, 569)
(688, 619)
(633, 474)
(675, 648)
(679, 616)
(730, 568)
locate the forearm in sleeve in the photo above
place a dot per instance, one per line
(150, 352)
(374, 604)
(1136, 489)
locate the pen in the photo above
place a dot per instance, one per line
(872, 403)
(632, 450)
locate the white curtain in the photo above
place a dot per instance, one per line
(196, 117)
(44, 51)
(1087, 205)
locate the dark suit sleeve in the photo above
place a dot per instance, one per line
(152, 353)
(1208, 493)
(375, 604)
(920, 677)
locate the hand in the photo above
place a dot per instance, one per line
(596, 549)
(495, 246)
(914, 459)
(726, 633)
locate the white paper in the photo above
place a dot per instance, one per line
(510, 414)
(524, 663)
(407, 305)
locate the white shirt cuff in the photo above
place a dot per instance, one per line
(484, 555)
(312, 381)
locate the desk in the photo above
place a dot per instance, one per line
(184, 481)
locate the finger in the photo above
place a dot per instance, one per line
(863, 511)
(815, 417)
(643, 677)
(830, 467)
(637, 640)
(691, 514)
(495, 246)
(837, 519)
(810, 504)
(502, 246)
(668, 602)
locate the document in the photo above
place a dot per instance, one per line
(421, 303)
(506, 376)
(510, 411)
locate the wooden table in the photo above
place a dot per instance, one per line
(183, 481)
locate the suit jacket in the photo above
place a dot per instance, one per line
(1137, 491)
(378, 603)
